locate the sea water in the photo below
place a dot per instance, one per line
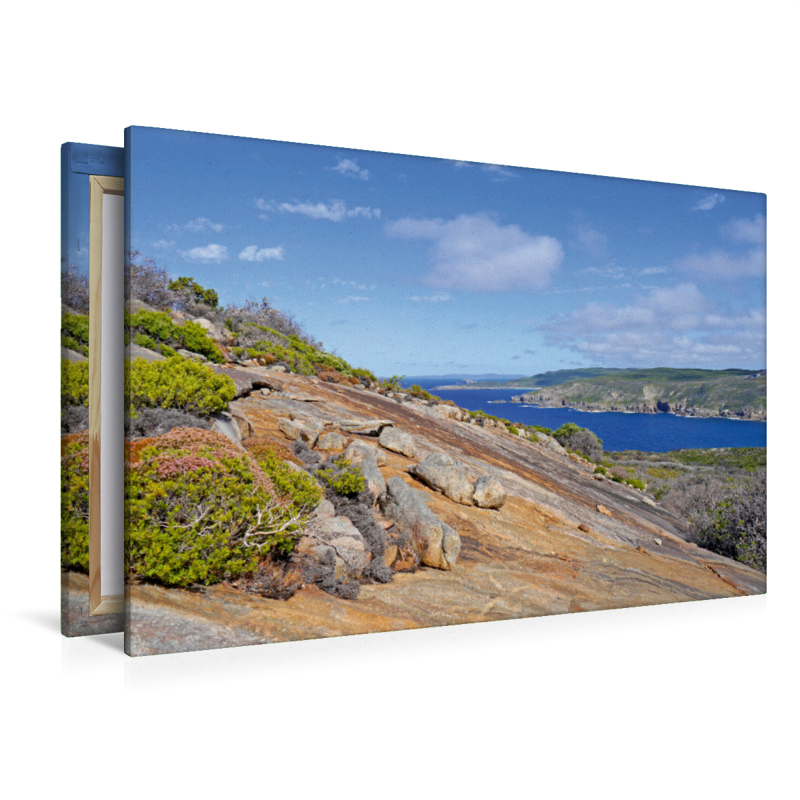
(653, 433)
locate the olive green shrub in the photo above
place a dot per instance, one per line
(75, 502)
(177, 383)
(201, 510)
(343, 477)
(74, 383)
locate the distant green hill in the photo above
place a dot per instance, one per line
(657, 375)
(692, 392)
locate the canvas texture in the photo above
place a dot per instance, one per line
(78, 163)
(285, 480)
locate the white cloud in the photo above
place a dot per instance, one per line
(611, 271)
(720, 264)
(589, 241)
(253, 253)
(162, 244)
(201, 223)
(473, 253)
(666, 327)
(499, 173)
(438, 297)
(652, 271)
(708, 202)
(212, 252)
(751, 231)
(335, 210)
(350, 168)
(354, 299)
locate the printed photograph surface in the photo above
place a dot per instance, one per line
(370, 392)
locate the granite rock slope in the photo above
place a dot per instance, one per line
(547, 550)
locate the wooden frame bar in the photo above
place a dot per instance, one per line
(99, 185)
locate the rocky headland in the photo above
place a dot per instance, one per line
(740, 397)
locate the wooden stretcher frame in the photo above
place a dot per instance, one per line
(99, 185)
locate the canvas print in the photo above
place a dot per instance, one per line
(373, 392)
(91, 233)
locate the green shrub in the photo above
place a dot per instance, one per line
(177, 383)
(75, 502)
(195, 292)
(600, 470)
(159, 328)
(71, 344)
(579, 440)
(512, 429)
(343, 477)
(74, 383)
(542, 429)
(199, 510)
(636, 483)
(76, 326)
(299, 487)
(143, 340)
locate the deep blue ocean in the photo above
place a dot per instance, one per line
(653, 433)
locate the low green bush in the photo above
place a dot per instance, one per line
(143, 340)
(343, 477)
(295, 485)
(159, 327)
(177, 383)
(71, 344)
(75, 502)
(76, 326)
(74, 383)
(199, 510)
(579, 440)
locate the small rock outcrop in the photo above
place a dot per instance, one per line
(357, 451)
(437, 544)
(488, 493)
(398, 442)
(296, 429)
(446, 475)
(334, 542)
(332, 441)
(367, 427)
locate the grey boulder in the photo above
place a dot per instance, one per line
(488, 493)
(398, 442)
(436, 542)
(446, 475)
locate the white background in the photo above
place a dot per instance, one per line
(697, 700)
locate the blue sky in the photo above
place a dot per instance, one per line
(423, 266)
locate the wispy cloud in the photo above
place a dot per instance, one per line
(708, 202)
(211, 252)
(354, 299)
(589, 241)
(496, 172)
(474, 253)
(163, 244)
(499, 173)
(652, 271)
(721, 264)
(438, 297)
(350, 169)
(203, 223)
(668, 326)
(335, 210)
(254, 253)
(750, 231)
